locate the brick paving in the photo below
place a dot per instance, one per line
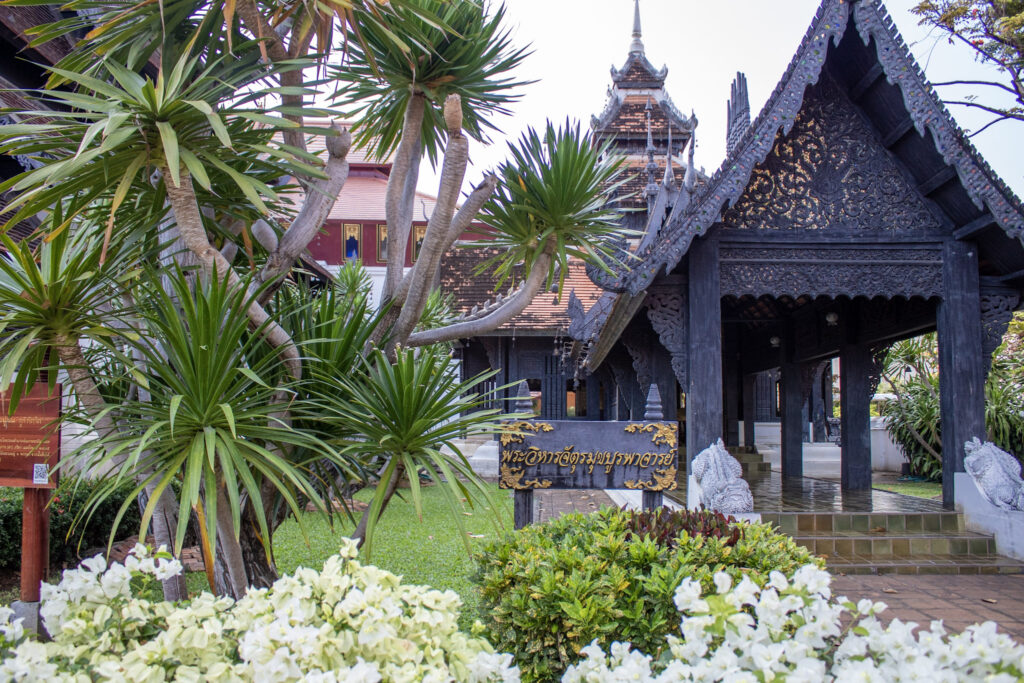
(958, 600)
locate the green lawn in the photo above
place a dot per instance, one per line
(920, 489)
(424, 552)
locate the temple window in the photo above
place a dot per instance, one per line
(382, 243)
(351, 238)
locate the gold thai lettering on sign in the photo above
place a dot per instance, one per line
(569, 458)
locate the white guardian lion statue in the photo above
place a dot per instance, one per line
(996, 473)
(719, 475)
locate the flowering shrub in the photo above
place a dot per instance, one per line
(793, 631)
(347, 622)
(549, 589)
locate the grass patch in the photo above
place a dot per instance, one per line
(426, 552)
(918, 489)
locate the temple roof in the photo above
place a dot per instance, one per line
(907, 133)
(546, 314)
(889, 88)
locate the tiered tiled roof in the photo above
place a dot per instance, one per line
(546, 314)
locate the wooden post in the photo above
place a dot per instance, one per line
(731, 387)
(35, 542)
(704, 396)
(522, 512)
(748, 409)
(791, 400)
(961, 366)
(855, 408)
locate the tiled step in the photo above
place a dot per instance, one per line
(896, 544)
(754, 467)
(795, 523)
(925, 564)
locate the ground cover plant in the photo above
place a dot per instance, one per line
(549, 590)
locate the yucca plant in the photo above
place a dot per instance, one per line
(212, 421)
(52, 299)
(553, 199)
(456, 48)
(404, 412)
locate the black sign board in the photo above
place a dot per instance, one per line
(579, 454)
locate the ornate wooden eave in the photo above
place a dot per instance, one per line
(994, 202)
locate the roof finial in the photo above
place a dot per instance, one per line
(690, 179)
(669, 177)
(738, 113)
(637, 45)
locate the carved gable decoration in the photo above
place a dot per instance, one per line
(829, 172)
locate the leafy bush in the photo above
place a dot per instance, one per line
(347, 622)
(914, 418)
(66, 503)
(550, 589)
(793, 630)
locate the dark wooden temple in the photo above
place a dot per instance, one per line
(851, 213)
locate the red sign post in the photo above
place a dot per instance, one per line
(29, 453)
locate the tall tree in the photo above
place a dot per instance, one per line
(167, 149)
(994, 31)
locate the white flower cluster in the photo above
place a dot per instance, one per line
(348, 622)
(793, 631)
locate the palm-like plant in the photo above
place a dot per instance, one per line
(406, 410)
(554, 195)
(456, 48)
(212, 421)
(51, 301)
(96, 144)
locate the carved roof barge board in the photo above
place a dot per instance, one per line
(971, 176)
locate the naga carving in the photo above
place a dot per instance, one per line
(720, 477)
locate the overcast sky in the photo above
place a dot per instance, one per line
(703, 44)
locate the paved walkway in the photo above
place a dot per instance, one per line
(958, 600)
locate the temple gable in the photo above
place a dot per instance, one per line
(830, 172)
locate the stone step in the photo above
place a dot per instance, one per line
(907, 544)
(741, 450)
(924, 564)
(794, 523)
(749, 457)
(755, 467)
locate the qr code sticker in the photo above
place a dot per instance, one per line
(40, 474)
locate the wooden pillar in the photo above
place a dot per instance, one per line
(855, 366)
(748, 409)
(593, 397)
(791, 402)
(731, 388)
(961, 365)
(704, 397)
(35, 545)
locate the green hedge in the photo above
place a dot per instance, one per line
(66, 503)
(550, 589)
